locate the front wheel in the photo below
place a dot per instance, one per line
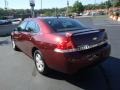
(39, 63)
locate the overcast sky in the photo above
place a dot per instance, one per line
(24, 4)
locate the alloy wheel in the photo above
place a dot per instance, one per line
(39, 62)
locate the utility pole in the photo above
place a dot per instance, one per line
(95, 4)
(32, 4)
(6, 4)
(67, 12)
(41, 7)
(114, 2)
(55, 11)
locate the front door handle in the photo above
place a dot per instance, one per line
(30, 38)
(20, 36)
(17, 37)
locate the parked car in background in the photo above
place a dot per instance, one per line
(94, 13)
(5, 22)
(15, 20)
(86, 14)
(77, 14)
(59, 43)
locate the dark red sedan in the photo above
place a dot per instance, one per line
(62, 44)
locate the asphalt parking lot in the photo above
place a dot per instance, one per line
(17, 71)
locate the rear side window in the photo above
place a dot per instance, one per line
(37, 28)
(64, 24)
(32, 25)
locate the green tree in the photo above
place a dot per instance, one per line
(78, 7)
(117, 4)
(108, 4)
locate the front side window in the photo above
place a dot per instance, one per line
(22, 26)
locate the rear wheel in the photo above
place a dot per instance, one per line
(39, 63)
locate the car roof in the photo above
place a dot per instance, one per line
(50, 17)
(39, 18)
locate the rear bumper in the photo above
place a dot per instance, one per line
(73, 61)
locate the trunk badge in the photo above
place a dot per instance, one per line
(95, 38)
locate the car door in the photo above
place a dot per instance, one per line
(31, 31)
(18, 34)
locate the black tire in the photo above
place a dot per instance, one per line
(38, 58)
(14, 46)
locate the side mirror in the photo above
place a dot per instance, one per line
(15, 29)
(30, 30)
(19, 29)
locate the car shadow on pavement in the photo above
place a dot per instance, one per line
(4, 42)
(105, 76)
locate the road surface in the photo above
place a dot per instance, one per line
(17, 71)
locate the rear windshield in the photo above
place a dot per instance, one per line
(64, 24)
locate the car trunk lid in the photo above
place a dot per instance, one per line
(88, 37)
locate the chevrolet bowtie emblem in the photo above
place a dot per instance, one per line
(95, 38)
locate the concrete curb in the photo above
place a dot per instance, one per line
(114, 18)
(119, 19)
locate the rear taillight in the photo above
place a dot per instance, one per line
(64, 45)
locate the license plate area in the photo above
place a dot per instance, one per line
(92, 57)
